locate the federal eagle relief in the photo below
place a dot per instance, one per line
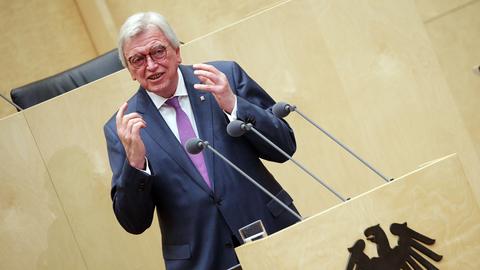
(410, 253)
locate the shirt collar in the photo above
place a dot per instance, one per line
(180, 92)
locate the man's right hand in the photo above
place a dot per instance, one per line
(128, 130)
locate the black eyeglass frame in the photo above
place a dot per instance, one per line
(157, 53)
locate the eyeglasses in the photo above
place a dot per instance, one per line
(157, 53)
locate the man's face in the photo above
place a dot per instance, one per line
(153, 62)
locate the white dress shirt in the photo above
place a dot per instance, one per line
(168, 113)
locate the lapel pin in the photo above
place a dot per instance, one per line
(202, 98)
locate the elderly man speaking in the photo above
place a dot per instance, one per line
(201, 201)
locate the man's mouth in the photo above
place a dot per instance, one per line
(155, 76)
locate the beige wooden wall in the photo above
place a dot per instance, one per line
(367, 74)
(454, 30)
(42, 38)
(39, 38)
(34, 230)
(191, 19)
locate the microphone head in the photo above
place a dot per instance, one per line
(236, 128)
(281, 109)
(194, 146)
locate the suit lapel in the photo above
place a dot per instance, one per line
(202, 105)
(159, 131)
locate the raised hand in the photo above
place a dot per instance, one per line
(215, 82)
(128, 130)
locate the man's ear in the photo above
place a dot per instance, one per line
(179, 56)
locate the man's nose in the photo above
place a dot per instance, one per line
(151, 64)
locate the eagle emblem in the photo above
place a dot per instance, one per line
(407, 255)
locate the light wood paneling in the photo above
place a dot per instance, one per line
(34, 231)
(430, 9)
(191, 19)
(39, 39)
(435, 201)
(99, 24)
(367, 73)
(69, 134)
(456, 39)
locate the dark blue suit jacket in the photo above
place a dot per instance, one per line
(198, 224)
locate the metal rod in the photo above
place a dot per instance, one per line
(253, 181)
(298, 164)
(342, 145)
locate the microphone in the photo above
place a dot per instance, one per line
(196, 145)
(237, 128)
(282, 109)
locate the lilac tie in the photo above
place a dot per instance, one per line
(186, 132)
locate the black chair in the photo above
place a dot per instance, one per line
(45, 89)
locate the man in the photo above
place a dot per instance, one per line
(201, 202)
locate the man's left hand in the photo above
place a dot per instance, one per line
(215, 82)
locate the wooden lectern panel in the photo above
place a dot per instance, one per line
(34, 231)
(435, 201)
(69, 134)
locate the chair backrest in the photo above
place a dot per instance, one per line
(42, 90)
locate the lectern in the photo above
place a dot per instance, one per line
(427, 218)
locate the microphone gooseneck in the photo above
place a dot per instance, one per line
(237, 124)
(196, 145)
(282, 109)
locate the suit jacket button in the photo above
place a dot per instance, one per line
(229, 245)
(216, 200)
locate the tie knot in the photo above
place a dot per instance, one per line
(173, 102)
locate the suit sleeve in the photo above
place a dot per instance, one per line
(254, 106)
(131, 189)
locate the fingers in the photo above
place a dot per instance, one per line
(206, 84)
(130, 119)
(135, 130)
(120, 113)
(205, 80)
(128, 130)
(127, 125)
(125, 122)
(208, 74)
(206, 67)
(215, 82)
(207, 87)
(205, 76)
(134, 123)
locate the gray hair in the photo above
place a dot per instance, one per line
(138, 23)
